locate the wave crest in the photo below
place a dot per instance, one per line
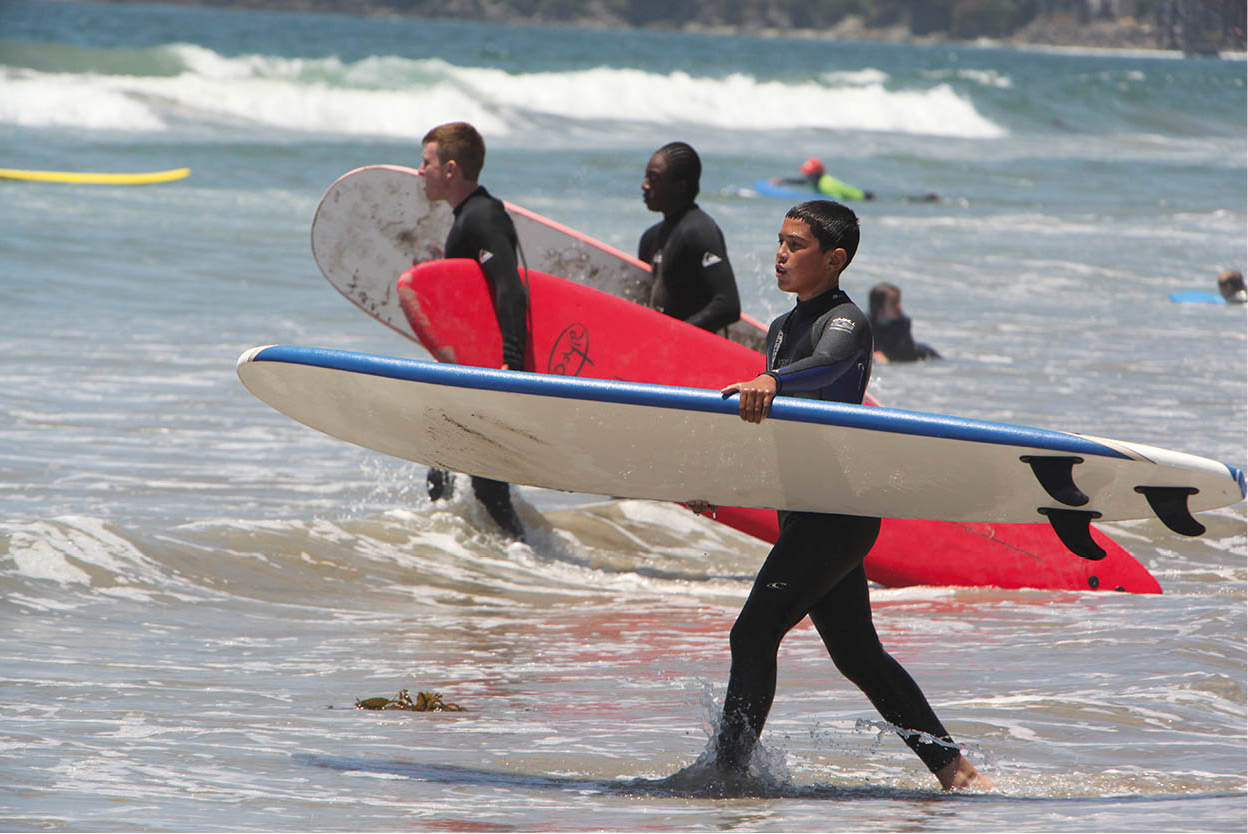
(387, 95)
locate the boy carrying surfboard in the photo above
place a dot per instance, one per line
(451, 160)
(821, 349)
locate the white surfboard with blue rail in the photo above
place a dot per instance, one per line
(676, 444)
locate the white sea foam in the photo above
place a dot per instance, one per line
(40, 560)
(987, 78)
(49, 100)
(49, 550)
(387, 95)
(738, 101)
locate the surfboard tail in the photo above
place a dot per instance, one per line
(963, 554)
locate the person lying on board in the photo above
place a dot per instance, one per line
(817, 177)
(451, 160)
(693, 279)
(891, 328)
(821, 349)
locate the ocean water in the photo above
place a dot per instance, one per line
(194, 590)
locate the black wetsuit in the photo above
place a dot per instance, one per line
(485, 233)
(894, 339)
(821, 350)
(693, 279)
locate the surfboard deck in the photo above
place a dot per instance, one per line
(578, 331)
(87, 178)
(574, 330)
(1197, 297)
(780, 191)
(375, 222)
(675, 444)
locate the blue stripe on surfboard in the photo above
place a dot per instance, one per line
(690, 399)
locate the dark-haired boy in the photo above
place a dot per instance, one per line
(821, 349)
(693, 279)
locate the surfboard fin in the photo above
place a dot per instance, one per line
(1056, 474)
(1074, 528)
(1170, 506)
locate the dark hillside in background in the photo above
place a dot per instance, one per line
(1194, 26)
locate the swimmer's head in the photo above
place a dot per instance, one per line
(813, 168)
(884, 302)
(1231, 285)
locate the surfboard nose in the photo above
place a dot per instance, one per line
(250, 354)
(1238, 475)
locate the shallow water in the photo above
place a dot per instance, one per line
(188, 580)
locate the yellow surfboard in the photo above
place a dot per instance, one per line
(77, 178)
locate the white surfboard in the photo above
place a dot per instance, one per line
(375, 222)
(676, 444)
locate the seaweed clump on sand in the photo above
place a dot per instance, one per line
(424, 702)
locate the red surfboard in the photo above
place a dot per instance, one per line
(579, 331)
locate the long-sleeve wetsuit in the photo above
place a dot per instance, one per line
(821, 350)
(830, 186)
(693, 279)
(483, 231)
(895, 340)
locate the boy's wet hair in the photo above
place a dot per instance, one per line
(459, 141)
(683, 164)
(833, 224)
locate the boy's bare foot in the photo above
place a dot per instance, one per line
(960, 775)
